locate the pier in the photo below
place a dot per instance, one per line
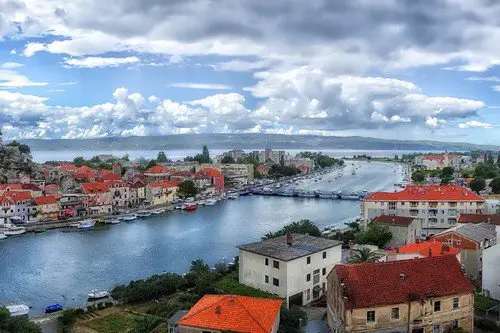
(297, 193)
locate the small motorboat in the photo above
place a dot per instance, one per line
(112, 221)
(190, 208)
(41, 230)
(86, 224)
(2, 235)
(13, 230)
(18, 310)
(210, 202)
(53, 308)
(158, 211)
(232, 196)
(128, 217)
(144, 213)
(98, 294)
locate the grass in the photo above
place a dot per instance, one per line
(114, 323)
(229, 285)
(484, 303)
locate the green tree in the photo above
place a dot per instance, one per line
(227, 159)
(498, 160)
(447, 172)
(95, 159)
(187, 188)
(161, 158)
(495, 185)
(9, 324)
(418, 176)
(151, 164)
(477, 184)
(292, 320)
(206, 154)
(363, 255)
(376, 234)
(23, 149)
(300, 227)
(485, 171)
(79, 161)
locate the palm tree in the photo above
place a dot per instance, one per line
(363, 255)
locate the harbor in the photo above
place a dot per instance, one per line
(56, 267)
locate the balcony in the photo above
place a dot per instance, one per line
(433, 212)
(452, 204)
(413, 212)
(413, 204)
(433, 204)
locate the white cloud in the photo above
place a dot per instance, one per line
(31, 48)
(12, 79)
(100, 62)
(241, 65)
(486, 79)
(11, 65)
(193, 85)
(153, 99)
(56, 90)
(475, 124)
(67, 83)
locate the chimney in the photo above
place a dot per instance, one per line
(401, 276)
(430, 252)
(289, 239)
(218, 309)
(397, 250)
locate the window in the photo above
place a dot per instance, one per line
(456, 303)
(436, 328)
(316, 276)
(437, 306)
(266, 278)
(267, 261)
(370, 316)
(308, 260)
(324, 271)
(276, 264)
(308, 294)
(324, 254)
(395, 313)
(276, 282)
(454, 324)
(308, 277)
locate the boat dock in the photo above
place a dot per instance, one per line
(336, 195)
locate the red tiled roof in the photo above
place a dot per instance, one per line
(137, 184)
(107, 176)
(31, 187)
(479, 218)
(183, 173)
(233, 313)
(165, 184)
(85, 174)
(6, 200)
(85, 168)
(210, 172)
(389, 219)
(12, 187)
(91, 188)
(158, 169)
(434, 157)
(376, 284)
(426, 193)
(428, 249)
(52, 186)
(19, 196)
(67, 167)
(46, 200)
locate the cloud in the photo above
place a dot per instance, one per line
(11, 65)
(475, 124)
(193, 85)
(100, 62)
(241, 65)
(67, 83)
(486, 79)
(31, 48)
(12, 79)
(56, 90)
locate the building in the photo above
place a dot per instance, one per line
(491, 267)
(7, 206)
(232, 313)
(161, 193)
(292, 266)
(23, 206)
(120, 194)
(137, 192)
(436, 206)
(473, 239)
(405, 230)
(269, 155)
(215, 178)
(433, 161)
(73, 204)
(493, 219)
(236, 174)
(98, 200)
(158, 173)
(47, 207)
(263, 170)
(480, 159)
(400, 296)
(417, 250)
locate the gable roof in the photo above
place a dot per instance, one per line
(6, 200)
(11, 187)
(90, 188)
(19, 196)
(233, 313)
(475, 232)
(67, 167)
(302, 245)
(109, 176)
(211, 172)
(45, 200)
(165, 184)
(427, 193)
(428, 249)
(480, 218)
(394, 220)
(159, 169)
(395, 282)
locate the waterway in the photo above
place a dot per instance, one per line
(57, 266)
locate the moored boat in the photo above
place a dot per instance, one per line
(13, 230)
(53, 308)
(2, 235)
(232, 196)
(86, 224)
(158, 211)
(210, 202)
(128, 217)
(190, 208)
(97, 294)
(18, 310)
(144, 213)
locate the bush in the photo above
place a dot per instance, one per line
(292, 320)
(376, 234)
(486, 324)
(477, 184)
(300, 227)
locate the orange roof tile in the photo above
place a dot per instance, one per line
(46, 200)
(389, 219)
(159, 169)
(19, 196)
(5, 200)
(479, 218)
(67, 167)
(90, 188)
(165, 184)
(233, 313)
(107, 176)
(427, 193)
(210, 172)
(428, 249)
(11, 187)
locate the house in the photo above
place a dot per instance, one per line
(73, 204)
(436, 206)
(47, 207)
(232, 313)
(23, 206)
(439, 161)
(419, 249)
(51, 189)
(120, 193)
(263, 170)
(480, 159)
(98, 200)
(10, 187)
(236, 174)
(292, 266)
(405, 230)
(158, 173)
(493, 219)
(161, 193)
(419, 295)
(491, 267)
(473, 239)
(137, 192)
(173, 327)
(7, 207)
(108, 176)
(182, 175)
(214, 176)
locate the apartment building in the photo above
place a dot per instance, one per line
(405, 230)
(293, 267)
(436, 206)
(440, 161)
(400, 296)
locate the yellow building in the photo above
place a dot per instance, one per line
(428, 295)
(161, 193)
(47, 207)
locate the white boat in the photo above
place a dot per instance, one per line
(98, 294)
(128, 217)
(233, 196)
(13, 230)
(2, 235)
(86, 224)
(170, 208)
(144, 213)
(18, 310)
(210, 202)
(158, 211)
(113, 221)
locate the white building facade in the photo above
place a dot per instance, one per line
(295, 271)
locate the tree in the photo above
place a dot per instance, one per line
(485, 171)
(79, 161)
(206, 154)
(376, 234)
(187, 188)
(23, 149)
(9, 324)
(498, 160)
(495, 185)
(447, 171)
(151, 164)
(477, 184)
(363, 255)
(418, 176)
(161, 158)
(227, 159)
(300, 227)
(292, 320)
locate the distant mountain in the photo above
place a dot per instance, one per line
(247, 141)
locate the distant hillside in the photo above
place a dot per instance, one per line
(247, 141)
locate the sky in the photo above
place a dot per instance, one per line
(392, 69)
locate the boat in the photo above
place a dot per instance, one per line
(2, 235)
(179, 207)
(158, 211)
(190, 208)
(53, 308)
(86, 224)
(144, 213)
(210, 202)
(98, 294)
(112, 220)
(18, 310)
(232, 196)
(39, 231)
(13, 230)
(128, 217)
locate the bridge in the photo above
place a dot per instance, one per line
(336, 195)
